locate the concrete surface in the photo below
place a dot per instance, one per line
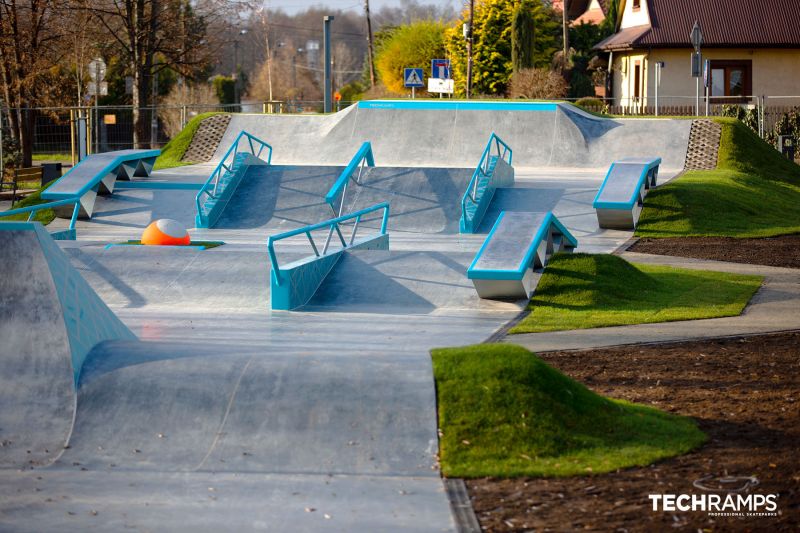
(566, 137)
(773, 308)
(37, 501)
(225, 415)
(36, 385)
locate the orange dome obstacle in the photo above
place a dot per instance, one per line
(166, 232)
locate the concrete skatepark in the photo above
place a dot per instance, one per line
(203, 409)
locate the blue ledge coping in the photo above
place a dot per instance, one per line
(461, 105)
(519, 272)
(114, 162)
(647, 165)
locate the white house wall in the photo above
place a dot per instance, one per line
(775, 73)
(639, 17)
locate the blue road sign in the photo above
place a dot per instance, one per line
(440, 68)
(413, 77)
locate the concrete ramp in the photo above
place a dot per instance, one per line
(49, 320)
(453, 134)
(278, 198)
(399, 283)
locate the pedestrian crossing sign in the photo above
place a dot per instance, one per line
(413, 77)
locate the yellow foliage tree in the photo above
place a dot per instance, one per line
(410, 46)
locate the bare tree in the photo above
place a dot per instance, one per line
(29, 47)
(153, 35)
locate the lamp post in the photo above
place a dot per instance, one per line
(326, 27)
(236, 66)
(468, 35)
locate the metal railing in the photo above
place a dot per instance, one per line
(501, 150)
(33, 209)
(226, 164)
(363, 157)
(333, 225)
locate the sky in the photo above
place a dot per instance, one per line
(293, 6)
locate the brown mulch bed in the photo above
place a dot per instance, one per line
(781, 251)
(745, 394)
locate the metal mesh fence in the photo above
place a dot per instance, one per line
(112, 127)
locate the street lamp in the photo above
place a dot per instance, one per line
(236, 67)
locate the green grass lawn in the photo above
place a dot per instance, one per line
(503, 412)
(754, 192)
(580, 291)
(207, 244)
(64, 158)
(172, 153)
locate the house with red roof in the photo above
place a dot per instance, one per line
(584, 11)
(753, 48)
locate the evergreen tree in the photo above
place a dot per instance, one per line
(492, 57)
(522, 36)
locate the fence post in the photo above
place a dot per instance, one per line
(72, 136)
(2, 159)
(183, 116)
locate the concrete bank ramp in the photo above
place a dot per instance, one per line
(179, 277)
(279, 198)
(400, 283)
(185, 408)
(49, 320)
(437, 134)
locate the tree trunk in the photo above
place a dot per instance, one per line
(27, 124)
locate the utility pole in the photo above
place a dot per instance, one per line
(565, 29)
(469, 36)
(326, 30)
(235, 72)
(269, 53)
(369, 46)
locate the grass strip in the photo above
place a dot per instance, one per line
(579, 291)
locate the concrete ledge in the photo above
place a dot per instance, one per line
(515, 252)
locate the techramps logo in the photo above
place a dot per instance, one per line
(735, 500)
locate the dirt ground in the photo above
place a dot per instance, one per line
(781, 251)
(745, 394)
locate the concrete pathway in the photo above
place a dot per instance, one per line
(775, 307)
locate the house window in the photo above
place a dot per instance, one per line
(637, 4)
(637, 76)
(733, 78)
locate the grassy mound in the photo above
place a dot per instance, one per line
(754, 192)
(503, 412)
(580, 291)
(173, 152)
(45, 216)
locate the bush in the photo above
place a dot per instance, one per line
(537, 83)
(749, 117)
(788, 124)
(589, 101)
(413, 45)
(224, 89)
(170, 114)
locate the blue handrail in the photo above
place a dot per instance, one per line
(364, 155)
(332, 225)
(226, 165)
(33, 209)
(502, 150)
